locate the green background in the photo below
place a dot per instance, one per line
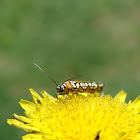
(97, 39)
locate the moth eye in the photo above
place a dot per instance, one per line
(58, 88)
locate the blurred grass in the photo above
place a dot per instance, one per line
(99, 40)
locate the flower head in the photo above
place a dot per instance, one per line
(90, 117)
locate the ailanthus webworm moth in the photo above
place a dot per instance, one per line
(76, 86)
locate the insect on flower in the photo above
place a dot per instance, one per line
(75, 86)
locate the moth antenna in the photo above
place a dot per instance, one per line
(45, 73)
(73, 78)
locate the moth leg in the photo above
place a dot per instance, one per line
(65, 98)
(59, 94)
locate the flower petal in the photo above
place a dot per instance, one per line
(21, 125)
(121, 96)
(22, 119)
(48, 97)
(39, 137)
(136, 105)
(29, 107)
(35, 96)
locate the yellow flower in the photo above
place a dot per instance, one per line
(90, 117)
